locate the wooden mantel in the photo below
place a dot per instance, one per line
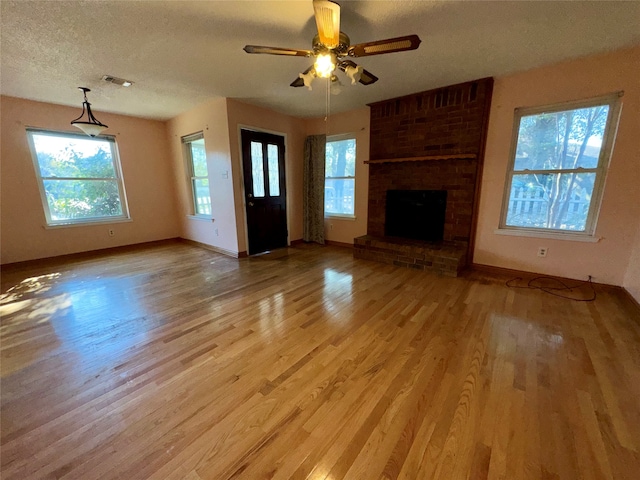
(426, 158)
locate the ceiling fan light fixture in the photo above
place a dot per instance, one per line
(91, 125)
(331, 47)
(336, 86)
(308, 78)
(325, 65)
(354, 73)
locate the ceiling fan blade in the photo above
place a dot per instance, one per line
(327, 15)
(390, 45)
(299, 82)
(367, 78)
(277, 51)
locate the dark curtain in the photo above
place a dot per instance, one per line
(313, 189)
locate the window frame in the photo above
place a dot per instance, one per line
(191, 176)
(339, 138)
(118, 179)
(614, 102)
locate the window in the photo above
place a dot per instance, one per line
(340, 177)
(558, 164)
(79, 177)
(196, 157)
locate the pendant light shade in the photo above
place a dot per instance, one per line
(87, 122)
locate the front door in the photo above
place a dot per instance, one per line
(264, 187)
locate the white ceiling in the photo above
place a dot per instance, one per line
(182, 53)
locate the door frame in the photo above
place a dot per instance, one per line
(241, 127)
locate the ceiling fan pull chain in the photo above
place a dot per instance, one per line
(327, 108)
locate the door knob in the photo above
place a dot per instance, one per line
(251, 204)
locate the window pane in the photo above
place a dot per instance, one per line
(339, 196)
(561, 140)
(341, 158)
(71, 157)
(202, 196)
(69, 199)
(257, 172)
(553, 201)
(274, 172)
(199, 158)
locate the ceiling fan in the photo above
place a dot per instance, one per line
(331, 47)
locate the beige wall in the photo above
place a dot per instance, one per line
(219, 232)
(143, 149)
(159, 195)
(606, 260)
(355, 122)
(242, 115)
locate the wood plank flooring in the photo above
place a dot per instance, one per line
(173, 362)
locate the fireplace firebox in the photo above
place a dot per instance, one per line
(416, 214)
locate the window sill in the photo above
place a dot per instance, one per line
(336, 216)
(200, 217)
(573, 237)
(102, 221)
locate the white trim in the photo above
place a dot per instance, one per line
(201, 218)
(187, 154)
(342, 136)
(339, 138)
(606, 150)
(574, 237)
(75, 133)
(88, 223)
(338, 216)
(118, 179)
(570, 104)
(193, 137)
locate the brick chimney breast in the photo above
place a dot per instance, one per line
(414, 131)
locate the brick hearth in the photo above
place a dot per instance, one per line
(445, 257)
(428, 141)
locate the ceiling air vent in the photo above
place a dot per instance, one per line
(117, 81)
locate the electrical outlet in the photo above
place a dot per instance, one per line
(542, 251)
(111, 232)
(331, 226)
(216, 232)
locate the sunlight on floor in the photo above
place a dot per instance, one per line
(34, 285)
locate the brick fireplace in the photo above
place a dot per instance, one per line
(432, 141)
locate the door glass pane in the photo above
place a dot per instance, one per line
(202, 197)
(257, 172)
(274, 173)
(561, 140)
(551, 200)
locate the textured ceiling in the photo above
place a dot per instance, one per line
(180, 53)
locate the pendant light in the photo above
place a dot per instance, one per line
(92, 126)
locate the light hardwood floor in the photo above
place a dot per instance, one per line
(173, 362)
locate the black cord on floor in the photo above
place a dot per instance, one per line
(552, 290)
